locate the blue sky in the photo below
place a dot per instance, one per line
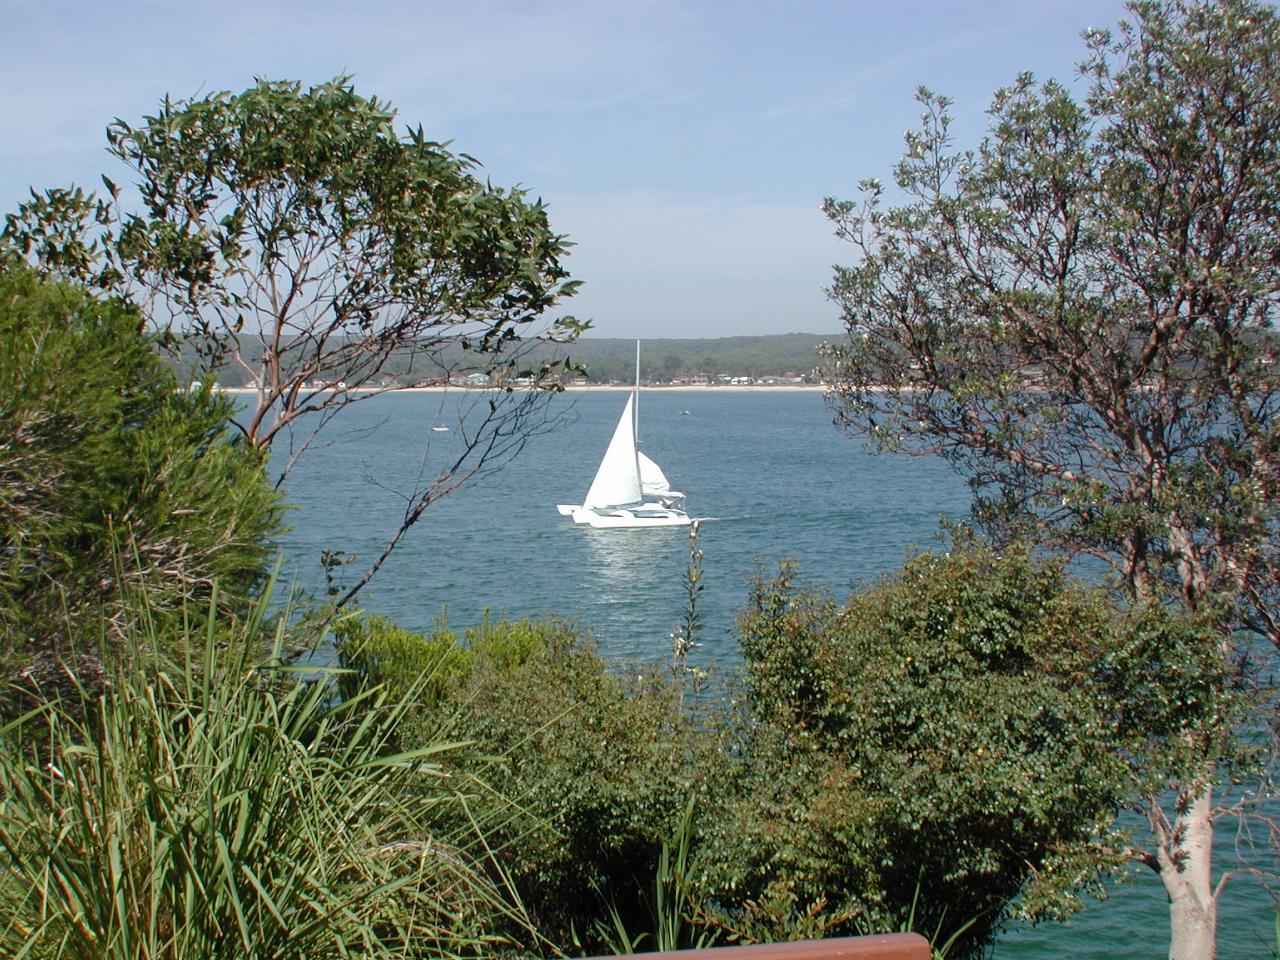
(685, 147)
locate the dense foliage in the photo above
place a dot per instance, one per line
(112, 483)
(586, 772)
(231, 809)
(1080, 313)
(949, 748)
(966, 732)
(295, 234)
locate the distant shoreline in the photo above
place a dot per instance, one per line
(592, 388)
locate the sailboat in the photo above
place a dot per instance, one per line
(629, 489)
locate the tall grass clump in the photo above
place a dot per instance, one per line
(233, 807)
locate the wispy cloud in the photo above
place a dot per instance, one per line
(655, 265)
(685, 144)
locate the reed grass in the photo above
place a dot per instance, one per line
(233, 807)
(673, 915)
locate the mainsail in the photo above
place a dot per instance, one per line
(617, 482)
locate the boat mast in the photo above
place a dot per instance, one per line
(635, 426)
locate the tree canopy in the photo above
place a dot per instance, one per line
(1080, 313)
(295, 234)
(117, 491)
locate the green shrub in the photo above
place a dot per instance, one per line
(501, 645)
(373, 651)
(112, 483)
(595, 770)
(955, 738)
(232, 810)
(581, 774)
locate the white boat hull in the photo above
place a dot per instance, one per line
(640, 515)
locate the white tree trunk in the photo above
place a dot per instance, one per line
(1186, 868)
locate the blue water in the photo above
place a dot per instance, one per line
(781, 484)
(777, 478)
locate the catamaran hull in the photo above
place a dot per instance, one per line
(648, 515)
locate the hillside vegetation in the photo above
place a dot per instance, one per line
(607, 359)
(660, 360)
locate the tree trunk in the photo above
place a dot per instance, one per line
(1186, 868)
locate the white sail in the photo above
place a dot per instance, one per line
(617, 482)
(652, 479)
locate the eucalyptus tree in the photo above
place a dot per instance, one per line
(296, 239)
(1081, 314)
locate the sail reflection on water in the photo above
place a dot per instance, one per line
(629, 575)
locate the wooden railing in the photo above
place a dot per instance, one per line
(888, 946)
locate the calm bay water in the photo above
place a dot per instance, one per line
(780, 484)
(777, 478)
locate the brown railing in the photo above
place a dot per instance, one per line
(888, 946)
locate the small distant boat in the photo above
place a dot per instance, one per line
(684, 413)
(439, 428)
(629, 489)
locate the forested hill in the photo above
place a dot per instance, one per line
(609, 359)
(613, 359)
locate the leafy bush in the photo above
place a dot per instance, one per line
(582, 774)
(231, 810)
(112, 482)
(374, 651)
(955, 738)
